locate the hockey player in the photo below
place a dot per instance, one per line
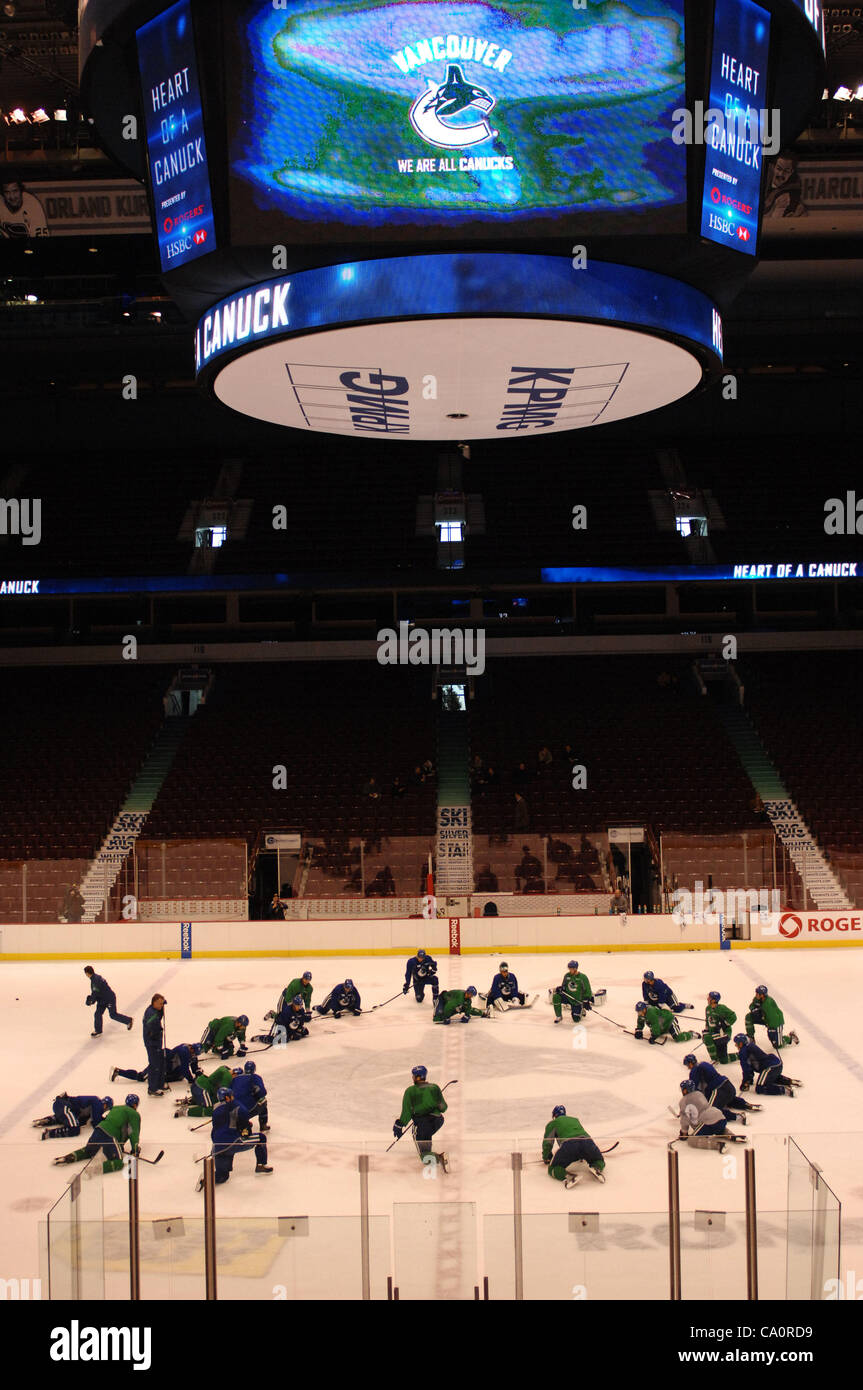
(718, 1089)
(661, 1023)
(695, 1111)
(422, 1106)
(575, 991)
(102, 995)
(181, 1064)
(204, 1092)
(70, 1113)
(250, 1091)
(504, 992)
(154, 1042)
(343, 998)
(765, 1010)
(661, 995)
(301, 986)
(456, 1001)
(719, 1021)
(122, 1122)
(232, 1134)
(575, 1148)
(420, 971)
(765, 1069)
(221, 1033)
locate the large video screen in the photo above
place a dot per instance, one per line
(736, 125)
(398, 118)
(176, 147)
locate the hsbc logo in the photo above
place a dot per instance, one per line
(792, 926)
(201, 237)
(743, 233)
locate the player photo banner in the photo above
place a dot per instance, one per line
(33, 208)
(813, 197)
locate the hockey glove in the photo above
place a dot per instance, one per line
(406, 988)
(398, 1131)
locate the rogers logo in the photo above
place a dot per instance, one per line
(789, 925)
(168, 224)
(715, 195)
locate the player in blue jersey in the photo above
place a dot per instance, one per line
(658, 993)
(249, 1089)
(70, 1113)
(420, 971)
(343, 998)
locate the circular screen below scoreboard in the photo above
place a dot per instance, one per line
(466, 378)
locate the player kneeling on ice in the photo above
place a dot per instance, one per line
(420, 971)
(765, 1010)
(696, 1113)
(719, 1020)
(422, 1106)
(504, 993)
(718, 1089)
(70, 1113)
(122, 1122)
(456, 1001)
(575, 991)
(661, 1023)
(250, 1091)
(303, 986)
(344, 998)
(232, 1134)
(658, 993)
(576, 1151)
(762, 1068)
(181, 1064)
(204, 1092)
(221, 1034)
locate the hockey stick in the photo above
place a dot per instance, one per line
(384, 1004)
(154, 1161)
(413, 1122)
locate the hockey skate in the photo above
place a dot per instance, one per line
(63, 1158)
(442, 1161)
(45, 1120)
(263, 1168)
(595, 1173)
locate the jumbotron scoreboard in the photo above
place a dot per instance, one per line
(436, 220)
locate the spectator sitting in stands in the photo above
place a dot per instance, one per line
(530, 866)
(490, 910)
(567, 755)
(476, 764)
(544, 758)
(522, 814)
(618, 903)
(534, 885)
(73, 904)
(398, 787)
(520, 776)
(276, 910)
(585, 848)
(428, 769)
(371, 789)
(417, 777)
(559, 851)
(486, 881)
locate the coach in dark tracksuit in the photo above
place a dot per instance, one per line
(154, 1043)
(102, 995)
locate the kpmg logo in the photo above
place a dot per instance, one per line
(445, 114)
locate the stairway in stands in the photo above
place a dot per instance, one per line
(129, 821)
(454, 869)
(806, 854)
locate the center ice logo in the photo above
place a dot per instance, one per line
(444, 115)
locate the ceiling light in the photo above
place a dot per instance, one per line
(61, 115)
(32, 298)
(842, 94)
(858, 95)
(18, 116)
(40, 116)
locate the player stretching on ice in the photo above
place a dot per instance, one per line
(301, 986)
(232, 1134)
(504, 993)
(575, 991)
(719, 1021)
(102, 995)
(661, 995)
(250, 1091)
(717, 1088)
(576, 1149)
(422, 1106)
(762, 1068)
(343, 998)
(204, 1092)
(696, 1112)
(121, 1123)
(765, 1010)
(181, 1064)
(456, 1001)
(70, 1113)
(661, 1023)
(221, 1033)
(420, 971)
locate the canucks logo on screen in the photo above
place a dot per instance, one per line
(405, 113)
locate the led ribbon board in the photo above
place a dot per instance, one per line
(496, 117)
(176, 148)
(731, 202)
(462, 346)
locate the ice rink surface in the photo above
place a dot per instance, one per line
(336, 1094)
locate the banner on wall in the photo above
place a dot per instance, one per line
(104, 207)
(811, 928)
(185, 940)
(813, 197)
